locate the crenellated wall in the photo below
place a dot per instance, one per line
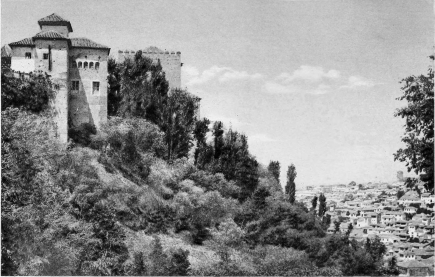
(170, 62)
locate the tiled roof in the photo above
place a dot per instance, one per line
(23, 42)
(86, 43)
(54, 19)
(50, 35)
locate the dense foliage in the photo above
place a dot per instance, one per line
(418, 153)
(112, 202)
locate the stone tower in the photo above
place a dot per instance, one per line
(78, 66)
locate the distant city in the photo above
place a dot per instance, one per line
(402, 218)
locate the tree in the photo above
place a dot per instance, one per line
(418, 153)
(200, 133)
(32, 94)
(322, 204)
(400, 193)
(336, 226)
(275, 169)
(349, 229)
(314, 203)
(290, 188)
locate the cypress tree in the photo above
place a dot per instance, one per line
(322, 205)
(275, 169)
(290, 188)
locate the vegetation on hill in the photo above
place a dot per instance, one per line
(149, 194)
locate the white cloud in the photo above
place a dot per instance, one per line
(238, 75)
(260, 138)
(358, 82)
(277, 88)
(192, 76)
(309, 74)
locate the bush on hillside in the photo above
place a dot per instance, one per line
(32, 93)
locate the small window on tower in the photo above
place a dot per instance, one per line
(97, 65)
(85, 65)
(45, 56)
(80, 65)
(28, 55)
(95, 87)
(74, 64)
(91, 65)
(75, 86)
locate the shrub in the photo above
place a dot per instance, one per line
(82, 133)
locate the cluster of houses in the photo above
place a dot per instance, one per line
(404, 221)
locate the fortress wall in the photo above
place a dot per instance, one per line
(87, 106)
(170, 62)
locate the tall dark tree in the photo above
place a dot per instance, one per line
(218, 136)
(275, 169)
(290, 188)
(314, 203)
(418, 153)
(322, 204)
(200, 133)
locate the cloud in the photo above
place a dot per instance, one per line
(358, 82)
(305, 79)
(238, 75)
(308, 73)
(260, 138)
(277, 88)
(193, 77)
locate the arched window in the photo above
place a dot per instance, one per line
(91, 65)
(80, 65)
(74, 64)
(85, 65)
(97, 65)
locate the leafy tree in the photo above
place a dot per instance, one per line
(158, 258)
(400, 193)
(349, 229)
(336, 226)
(138, 267)
(418, 154)
(179, 264)
(200, 133)
(275, 169)
(322, 204)
(218, 133)
(32, 94)
(290, 188)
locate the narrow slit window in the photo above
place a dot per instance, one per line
(85, 65)
(91, 65)
(80, 65)
(45, 56)
(97, 65)
(95, 87)
(28, 55)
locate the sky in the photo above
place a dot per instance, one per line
(313, 83)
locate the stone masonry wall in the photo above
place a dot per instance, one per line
(59, 76)
(85, 105)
